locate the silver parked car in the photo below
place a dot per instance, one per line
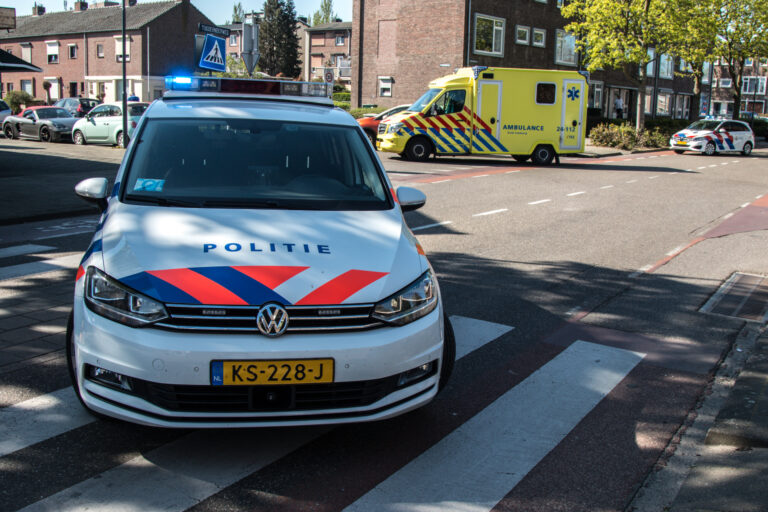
(104, 123)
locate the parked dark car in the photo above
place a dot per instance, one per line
(46, 124)
(78, 107)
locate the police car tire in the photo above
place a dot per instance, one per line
(709, 149)
(679, 151)
(747, 149)
(521, 158)
(73, 371)
(418, 149)
(543, 155)
(449, 353)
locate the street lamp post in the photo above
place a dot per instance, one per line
(125, 98)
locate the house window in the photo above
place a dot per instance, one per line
(121, 52)
(26, 86)
(748, 62)
(648, 99)
(232, 39)
(489, 35)
(726, 83)
(52, 48)
(565, 48)
(546, 93)
(522, 34)
(72, 51)
(753, 85)
(385, 86)
(100, 51)
(339, 39)
(666, 66)
(682, 106)
(539, 37)
(9, 86)
(26, 51)
(559, 3)
(764, 61)
(664, 103)
(650, 68)
(595, 95)
(706, 68)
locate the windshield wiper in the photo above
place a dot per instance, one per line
(162, 201)
(240, 203)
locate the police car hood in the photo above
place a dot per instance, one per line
(250, 257)
(692, 133)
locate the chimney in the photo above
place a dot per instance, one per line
(38, 10)
(303, 19)
(81, 6)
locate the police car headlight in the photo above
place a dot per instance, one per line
(110, 299)
(411, 303)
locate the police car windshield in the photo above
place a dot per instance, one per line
(425, 100)
(248, 163)
(704, 124)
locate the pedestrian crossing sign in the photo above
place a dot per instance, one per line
(213, 56)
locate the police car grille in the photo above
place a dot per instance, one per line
(302, 397)
(242, 319)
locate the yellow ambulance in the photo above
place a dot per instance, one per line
(526, 113)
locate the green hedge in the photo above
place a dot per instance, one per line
(15, 99)
(342, 104)
(342, 96)
(624, 136)
(357, 113)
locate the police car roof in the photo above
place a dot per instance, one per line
(227, 106)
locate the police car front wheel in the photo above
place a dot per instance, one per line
(709, 149)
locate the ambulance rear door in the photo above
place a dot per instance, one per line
(571, 122)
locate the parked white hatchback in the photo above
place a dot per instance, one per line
(252, 267)
(711, 136)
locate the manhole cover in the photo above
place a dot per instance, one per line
(742, 296)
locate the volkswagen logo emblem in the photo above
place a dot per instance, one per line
(272, 320)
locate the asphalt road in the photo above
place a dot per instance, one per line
(574, 291)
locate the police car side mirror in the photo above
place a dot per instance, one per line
(94, 190)
(410, 198)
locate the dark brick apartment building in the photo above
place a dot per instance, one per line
(80, 51)
(398, 46)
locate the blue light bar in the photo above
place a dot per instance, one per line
(247, 86)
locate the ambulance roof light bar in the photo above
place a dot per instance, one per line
(247, 86)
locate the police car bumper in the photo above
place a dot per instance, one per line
(160, 378)
(686, 146)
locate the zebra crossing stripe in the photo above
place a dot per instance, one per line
(182, 473)
(20, 250)
(475, 466)
(38, 267)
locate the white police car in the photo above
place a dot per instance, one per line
(252, 268)
(710, 136)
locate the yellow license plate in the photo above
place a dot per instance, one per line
(681, 143)
(271, 373)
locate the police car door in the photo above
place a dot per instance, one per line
(571, 123)
(485, 136)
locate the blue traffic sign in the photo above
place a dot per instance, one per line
(213, 56)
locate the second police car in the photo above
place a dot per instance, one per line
(252, 267)
(710, 136)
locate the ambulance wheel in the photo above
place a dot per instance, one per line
(418, 149)
(679, 151)
(543, 155)
(521, 158)
(449, 353)
(747, 149)
(709, 149)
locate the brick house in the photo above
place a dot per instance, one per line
(720, 88)
(328, 47)
(81, 51)
(399, 46)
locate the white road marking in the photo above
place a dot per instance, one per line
(713, 165)
(674, 173)
(760, 196)
(440, 181)
(542, 201)
(510, 172)
(184, 472)
(632, 181)
(427, 226)
(476, 465)
(572, 194)
(654, 156)
(480, 176)
(675, 250)
(702, 167)
(19, 250)
(573, 311)
(724, 163)
(641, 270)
(652, 177)
(606, 187)
(60, 235)
(728, 216)
(40, 418)
(745, 205)
(734, 161)
(491, 212)
(398, 174)
(640, 158)
(38, 267)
